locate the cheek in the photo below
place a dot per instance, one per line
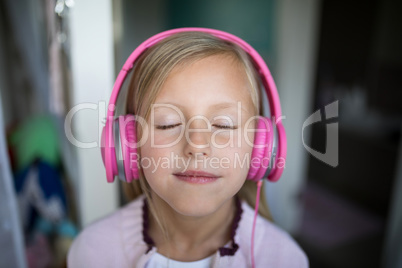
(236, 159)
(241, 139)
(151, 159)
(246, 142)
(158, 161)
(166, 138)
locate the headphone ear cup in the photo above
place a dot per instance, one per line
(128, 136)
(261, 154)
(108, 151)
(280, 157)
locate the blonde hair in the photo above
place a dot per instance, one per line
(150, 72)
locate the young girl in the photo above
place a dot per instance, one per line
(196, 97)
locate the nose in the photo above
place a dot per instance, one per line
(197, 139)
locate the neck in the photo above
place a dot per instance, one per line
(187, 233)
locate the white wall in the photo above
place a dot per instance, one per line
(92, 63)
(297, 32)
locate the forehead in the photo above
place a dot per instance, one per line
(207, 82)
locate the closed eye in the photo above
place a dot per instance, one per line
(163, 127)
(225, 126)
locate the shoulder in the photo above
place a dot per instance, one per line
(105, 240)
(273, 246)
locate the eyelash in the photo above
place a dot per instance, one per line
(164, 127)
(225, 127)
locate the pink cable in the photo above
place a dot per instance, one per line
(257, 202)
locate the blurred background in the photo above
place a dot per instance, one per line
(58, 62)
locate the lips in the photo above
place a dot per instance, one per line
(196, 176)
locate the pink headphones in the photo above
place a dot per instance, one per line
(269, 152)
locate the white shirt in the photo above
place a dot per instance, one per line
(159, 261)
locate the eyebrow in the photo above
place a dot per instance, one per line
(224, 105)
(215, 107)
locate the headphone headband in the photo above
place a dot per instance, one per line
(262, 68)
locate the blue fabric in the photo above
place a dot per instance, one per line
(47, 186)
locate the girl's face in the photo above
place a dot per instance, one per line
(196, 154)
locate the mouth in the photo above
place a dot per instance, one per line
(196, 176)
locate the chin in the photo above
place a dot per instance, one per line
(196, 208)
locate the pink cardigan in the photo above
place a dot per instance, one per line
(117, 241)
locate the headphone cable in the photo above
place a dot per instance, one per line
(257, 201)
